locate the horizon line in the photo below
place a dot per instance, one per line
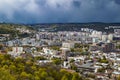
(61, 23)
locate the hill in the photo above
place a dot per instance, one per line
(13, 29)
(75, 26)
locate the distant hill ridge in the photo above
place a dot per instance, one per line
(75, 26)
(61, 26)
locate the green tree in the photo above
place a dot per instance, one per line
(118, 78)
(73, 67)
(72, 50)
(12, 69)
(44, 75)
(1, 46)
(25, 76)
(67, 76)
(5, 75)
(76, 76)
(49, 78)
(57, 61)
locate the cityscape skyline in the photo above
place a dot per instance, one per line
(59, 39)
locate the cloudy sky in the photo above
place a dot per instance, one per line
(59, 11)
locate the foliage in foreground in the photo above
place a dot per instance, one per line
(27, 69)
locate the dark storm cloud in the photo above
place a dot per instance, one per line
(51, 11)
(117, 1)
(77, 3)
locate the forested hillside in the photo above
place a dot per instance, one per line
(12, 29)
(27, 69)
(75, 26)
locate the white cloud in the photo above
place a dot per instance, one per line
(9, 7)
(32, 7)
